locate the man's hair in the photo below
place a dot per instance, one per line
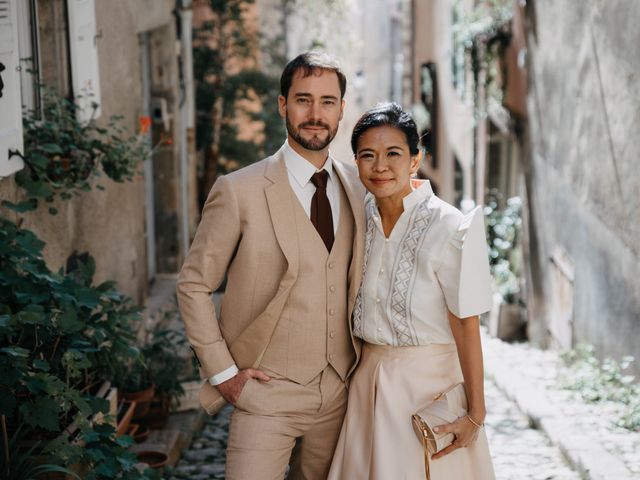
(310, 63)
(387, 114)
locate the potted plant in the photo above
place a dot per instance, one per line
(166, 368)
(508, 317)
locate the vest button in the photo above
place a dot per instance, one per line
(332, 288)
(331, 311)
(331, 356)
(332, 333)
(331, 265)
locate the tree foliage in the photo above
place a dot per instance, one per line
(227, 71)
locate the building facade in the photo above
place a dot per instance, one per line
(123, 56)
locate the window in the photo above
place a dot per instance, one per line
(84, 57)
(10, 109)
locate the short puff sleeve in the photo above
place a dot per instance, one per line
(464, 268)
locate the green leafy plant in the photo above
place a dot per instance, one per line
(504, 227)
(166, 365)
(63, 156)
(61, 337)
(602, 381)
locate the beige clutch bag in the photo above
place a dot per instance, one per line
(446, 407)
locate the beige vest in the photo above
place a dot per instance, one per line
(313, 330)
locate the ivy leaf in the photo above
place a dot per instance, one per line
(5, 321)
(68, 321)
(42, 412)
(41, 365)
(32, 315)
(52, 148)
(15, 352)
(22, 207)
(39, 160)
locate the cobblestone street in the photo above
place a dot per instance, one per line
(519, 452)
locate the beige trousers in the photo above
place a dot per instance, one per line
(281, 422)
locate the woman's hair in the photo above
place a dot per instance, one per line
(390, 114)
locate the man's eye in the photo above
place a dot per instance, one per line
(303, 100)
(329, 102)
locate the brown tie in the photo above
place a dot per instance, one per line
(321, 209)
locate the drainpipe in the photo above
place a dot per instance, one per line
(186, 115)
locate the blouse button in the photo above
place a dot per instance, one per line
(382, 270)
(377, 300)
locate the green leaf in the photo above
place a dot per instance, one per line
(39, 160)
(41, 365)
(52, 148)
(53, 211)
(68, 321)
(42, 412)
(15, 352)
(22, 207)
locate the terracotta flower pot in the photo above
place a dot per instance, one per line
(143, 400)
(125, 413)
(153, 459)
(141, 434)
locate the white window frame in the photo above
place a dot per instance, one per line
(11, 142)
(85, 72)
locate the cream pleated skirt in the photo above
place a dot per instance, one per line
(377, 441)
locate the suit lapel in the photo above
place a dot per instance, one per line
(281, 209)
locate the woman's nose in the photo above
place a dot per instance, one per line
(380, 165)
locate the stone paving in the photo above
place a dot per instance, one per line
(519, 451)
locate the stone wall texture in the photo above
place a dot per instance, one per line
(583, 177)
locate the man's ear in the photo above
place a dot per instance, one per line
(282, 106)
(342, 104)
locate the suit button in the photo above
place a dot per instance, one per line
(331, 311)
(331, 265)
(332, 333)
(332, 288)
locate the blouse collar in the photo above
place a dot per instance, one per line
(421, 191)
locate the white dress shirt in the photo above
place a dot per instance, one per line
(299, 171)
(434, 260)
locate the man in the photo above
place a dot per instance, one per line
(288, 233)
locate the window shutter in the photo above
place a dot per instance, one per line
(10, 109)
(84, 57)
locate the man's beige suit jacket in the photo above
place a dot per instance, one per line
(247, 231)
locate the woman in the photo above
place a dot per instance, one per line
(426, 281)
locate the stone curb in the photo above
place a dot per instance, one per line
(583, 451)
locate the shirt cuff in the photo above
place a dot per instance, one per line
(223, 376)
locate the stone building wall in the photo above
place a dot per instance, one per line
(110, 224)
(582, 175)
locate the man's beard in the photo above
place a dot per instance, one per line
(315, 143)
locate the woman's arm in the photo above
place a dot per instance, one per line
(466, 332)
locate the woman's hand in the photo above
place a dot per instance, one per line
(465, 433)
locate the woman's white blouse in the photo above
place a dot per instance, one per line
(434, 259)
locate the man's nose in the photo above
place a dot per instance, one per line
(314, 111)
